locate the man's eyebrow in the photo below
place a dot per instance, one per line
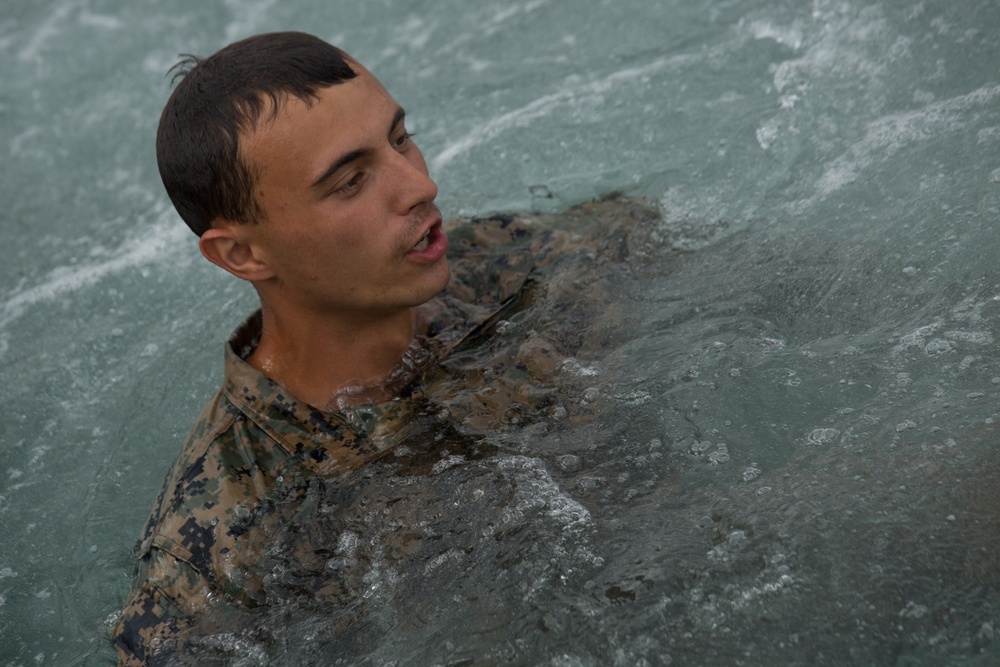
(356, 154)
(397, 119)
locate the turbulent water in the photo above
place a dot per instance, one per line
(795, 459)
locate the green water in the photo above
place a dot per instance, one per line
(817, 361)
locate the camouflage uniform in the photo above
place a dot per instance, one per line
(254, 448)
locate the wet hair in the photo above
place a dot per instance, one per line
(197, 142)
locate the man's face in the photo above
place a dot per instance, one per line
(351, 227)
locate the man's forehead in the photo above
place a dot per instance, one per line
(284, 104)
(298, 143)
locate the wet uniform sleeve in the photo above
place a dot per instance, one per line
(170, 593)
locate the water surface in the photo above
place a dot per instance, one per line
(799, 465)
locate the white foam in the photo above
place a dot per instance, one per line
(886, 136)
(503, 15)
(102, 21)
(790, 37)
(547, 104)
(988, 135)
(161, 244)
(47, 31)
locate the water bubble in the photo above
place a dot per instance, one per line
(750, 473)
(938, 346)
(736, 537)
(718, 457)
(823, 436)
(913, 610)
(504, 327)
(908, 424)
(973, 337)
(571, 365)
(569, 462)
(447, 462)
(591, 394)
(699, 448)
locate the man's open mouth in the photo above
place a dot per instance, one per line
(423, 242)
(432, 245)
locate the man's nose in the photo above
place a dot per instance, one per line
(413, 185)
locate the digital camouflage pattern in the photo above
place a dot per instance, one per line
(254, 451)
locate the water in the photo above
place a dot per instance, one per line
(797, 462)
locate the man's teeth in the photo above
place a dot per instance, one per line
(423, 243)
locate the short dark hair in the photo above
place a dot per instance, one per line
(197, 143)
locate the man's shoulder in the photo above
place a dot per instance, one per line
(209, 476)
(494, 234)
(611, 227)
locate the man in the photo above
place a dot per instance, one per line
(294, 166)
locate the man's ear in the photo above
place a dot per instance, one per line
(226, 248)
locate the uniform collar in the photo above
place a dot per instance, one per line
(481, 286)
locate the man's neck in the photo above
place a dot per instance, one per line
(321, 359)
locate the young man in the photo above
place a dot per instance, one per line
(294, 166)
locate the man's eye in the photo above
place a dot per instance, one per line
(402, 139)
(353, 184)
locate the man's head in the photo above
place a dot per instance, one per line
(223, 97)
(293, 164)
